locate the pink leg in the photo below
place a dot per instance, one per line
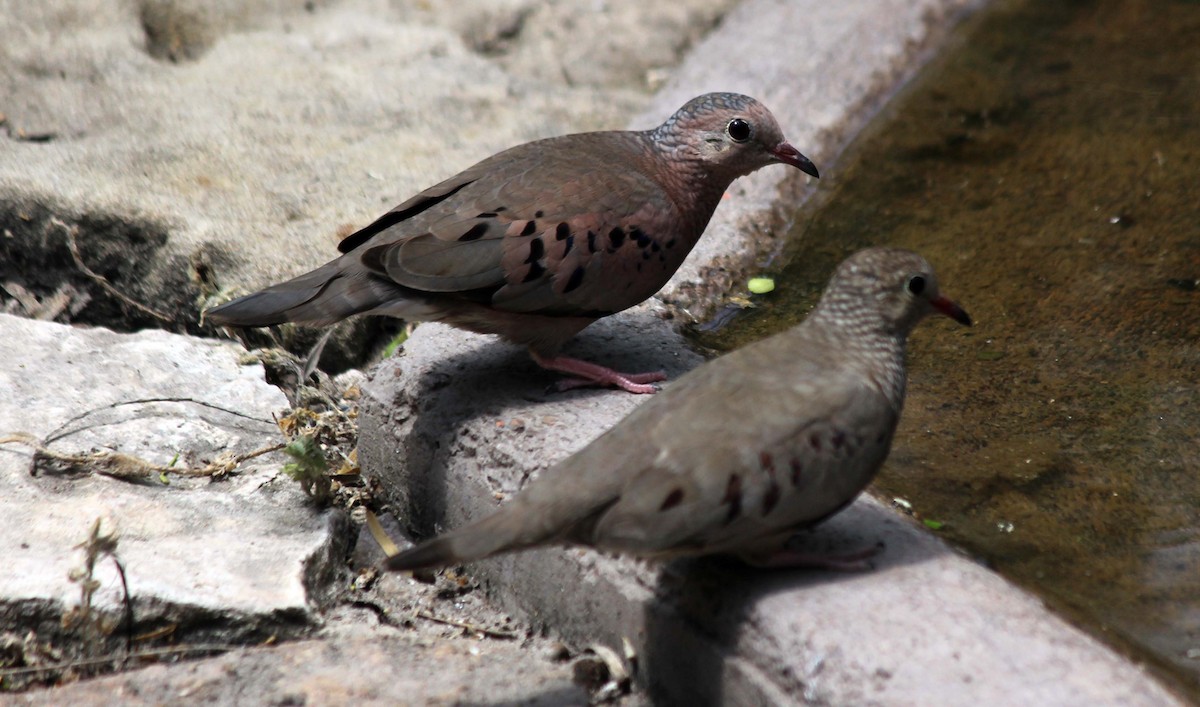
(587, 374)
(856, 561)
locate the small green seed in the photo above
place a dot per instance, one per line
(761, 285)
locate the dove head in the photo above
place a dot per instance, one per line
(731, 134)
(886, 288)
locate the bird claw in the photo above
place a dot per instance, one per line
(628, 383)
(586, 374)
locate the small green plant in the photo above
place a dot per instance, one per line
(308, 466)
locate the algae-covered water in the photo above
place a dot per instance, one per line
(1049, 166)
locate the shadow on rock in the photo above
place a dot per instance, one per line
(710, 641)
(458, 408)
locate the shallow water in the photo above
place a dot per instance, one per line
(1049, 166)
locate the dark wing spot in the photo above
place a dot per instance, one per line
(530, 228)
(539, 213)
(770, 497)
(536, 250)
(838, 439)
(654, 247)
(673, 499)
(575, 280)
(815, 440)
(670, 243)
(500, 209)
(570, 244)
(535, 271)
(797, 469)
(486, 214)
(733, 496)
(616, 237)
(474, 233)
(591, 241)
(640, 236)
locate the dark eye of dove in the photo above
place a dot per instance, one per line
(738, 130)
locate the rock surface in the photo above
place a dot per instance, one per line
(211, 564)
(381, 669)
(163, 398)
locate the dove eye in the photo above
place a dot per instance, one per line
(738, 130)
(916, 284)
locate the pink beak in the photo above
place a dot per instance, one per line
(787, 154)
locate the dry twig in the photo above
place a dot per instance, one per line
(490, 633)
(146, 654)
(128, 467)
(104, 283)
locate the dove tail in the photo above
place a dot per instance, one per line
(474, 542)
(324, 296)
(513, 528)
(439, 552)
(540, 515)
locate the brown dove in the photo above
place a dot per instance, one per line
(742, 452)
(539, 241)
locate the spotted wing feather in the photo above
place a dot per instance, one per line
(773, 462)
(595, 241)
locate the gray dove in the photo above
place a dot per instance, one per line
(740, 453)
(539, 241)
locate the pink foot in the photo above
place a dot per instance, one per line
(589, 374)
(858, 561)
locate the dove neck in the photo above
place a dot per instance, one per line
(865, 341)
(685, 174)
